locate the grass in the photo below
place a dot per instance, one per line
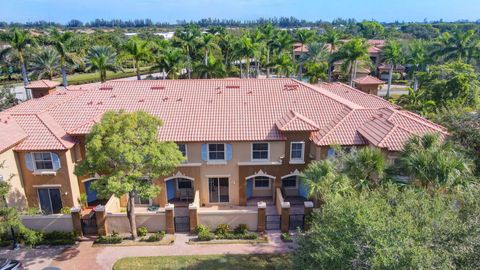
(208, 262)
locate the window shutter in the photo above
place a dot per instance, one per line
(29, 162)
(55, 161)
(229, 151)
(204, 152)
(331, 153)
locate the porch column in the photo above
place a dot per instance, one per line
(76, 220)
(242, 189)
(169, 218)
(285, 218)
(101, 216)
(307, 211)
(192, 210)
(262, 207)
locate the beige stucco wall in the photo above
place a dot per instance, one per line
(49, 223)
(233, 218)
(10, 171)
(119, 222)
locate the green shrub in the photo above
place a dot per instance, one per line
(158, 236)
(205, 236)
(201, 228)
(31, 211)
(286, 237)
(241, 229)
(142, 231)
(30, 237)
(66, 210)
(58, 238)
(222, 229)
(115, 238)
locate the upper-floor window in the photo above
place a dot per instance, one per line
(183, 149)
(260, 151)
(42, 161)
(297, 150)
(216, 151)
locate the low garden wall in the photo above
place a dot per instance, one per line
(212, 218)
(119, 222)
(279, 201)
(49, 223)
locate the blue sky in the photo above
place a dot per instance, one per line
(172, 10)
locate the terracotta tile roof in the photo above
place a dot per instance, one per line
(293, 121)
(212, 110)
(368, 80)
(300, 48)
(42, 84)
(10, 132)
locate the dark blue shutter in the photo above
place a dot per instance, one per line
(29, 162)
(204, 152)
(229, 151)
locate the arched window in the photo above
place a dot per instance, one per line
(261, 182)
(290, 182)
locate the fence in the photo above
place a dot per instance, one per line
(49, 223)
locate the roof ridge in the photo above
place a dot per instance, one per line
(424, 120)
(304, 118)
(366, 94)
(338, 123)
(335, 97)
(48, 128)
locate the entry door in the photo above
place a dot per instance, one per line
(218, 189)
(50, 200)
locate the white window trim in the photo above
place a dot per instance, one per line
(41, 171)
(297, 179)
(229, 189)
(297, 160)
(262, 188)
(219, 161)
(178, 187)
(261, 159)
(186, 152)
(49, 196)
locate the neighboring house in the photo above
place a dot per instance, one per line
(242, 138)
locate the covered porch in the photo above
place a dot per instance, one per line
(180, 190)
(260, 187)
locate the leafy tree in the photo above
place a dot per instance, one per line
(371, 29)
(46, 63)
(125, 150)
(138, 50)
(102, 59)
(170, 61)
(284, 65)
(7, 97)
(62, 42)
(351, 53)
(392, 54)
(316, 71)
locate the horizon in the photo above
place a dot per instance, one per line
(25, 11)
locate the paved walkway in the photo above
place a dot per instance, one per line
(84, 256)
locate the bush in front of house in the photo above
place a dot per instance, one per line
(205, 236)
(57, 238)
(286, 237)
(158, 236)
(222, 229)
(241, 229)
(114, 238)
(201, 228)
(142, 231)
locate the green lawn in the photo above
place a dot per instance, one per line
(207, 262)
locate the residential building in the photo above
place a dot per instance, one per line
(242, 138)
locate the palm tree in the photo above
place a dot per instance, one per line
(137, 50)
(418, 58)
(284, 65)
(366, 165)
(46, 63)
(187, 39)
(227, 44)
(316, 71)
(283, 42)
(268, 37)
(351, 53)
(462, 45)
(62, 42)
(332, 39)
(392, 54)
(102, 59)
(246, 49)
(303, 36)
(315, 59)
(170, 62)
(19, 40)
(207, 44)
(213, 68)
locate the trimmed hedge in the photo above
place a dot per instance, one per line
(114, 238)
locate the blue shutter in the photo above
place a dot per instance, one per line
(204, 152)
(229, 151)
(331, 153)
(29, 162)
(302, 189)
(249, 188)
(55, 161)
(171, 189)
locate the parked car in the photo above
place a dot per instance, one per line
(7, 264)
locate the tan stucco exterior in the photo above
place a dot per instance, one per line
(10, 171)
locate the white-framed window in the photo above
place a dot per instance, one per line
(261, 182)
(297, 151)
(216, 151)
(182, 147)
(290, 182)
(42, 161)
(183, 183)
(260, 151)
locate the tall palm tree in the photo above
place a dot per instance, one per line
(187, 39)
(19, 40)
(227, 44)
(208, 43)
(268, 37)
(332, 39)
(418, 58)
(246, 49)
(392, 54)
(170, 61)
(461, 45)
(259, 47)
(284, 65)
(212, 69)
(138, 50)
(315, 58)
(351, 53)
(366, 165)
(303, 37)
(102, 59)
(283, 42)
(62, 42)
(45, 63)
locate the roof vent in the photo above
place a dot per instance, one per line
(289, 87)
(249, 92)
(165, 99)
(220, 92)
(106, 87)
(157, 87)
(179, 99)
(100, 103)
(90, 103)
(232, 86)
(113, 96)
(141, 100)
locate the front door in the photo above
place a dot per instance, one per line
(50, 200)
(218, 189)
